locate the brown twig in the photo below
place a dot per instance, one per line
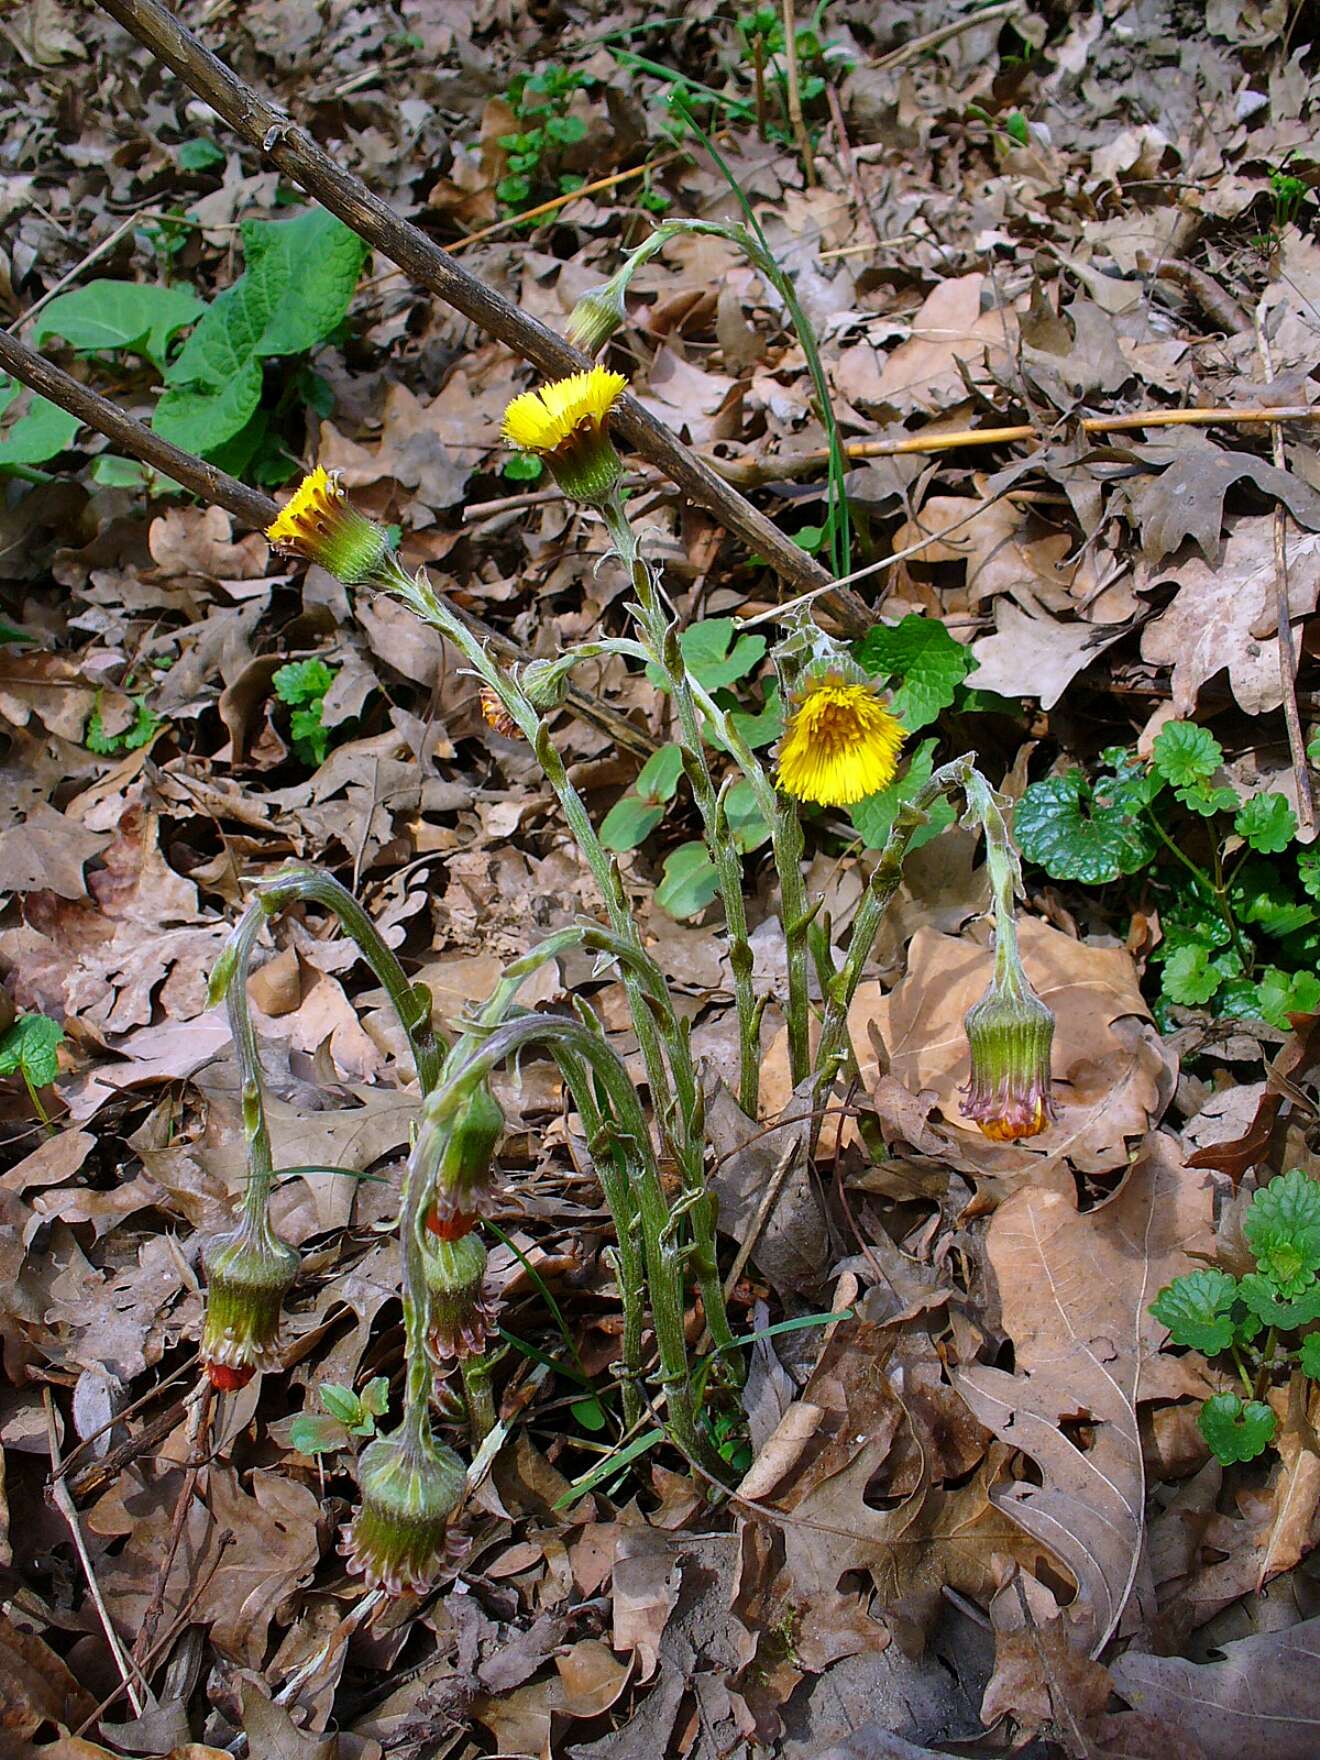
(1283, 618)
(292, 150)
(795, 115)
(933, 39)
(251, 506)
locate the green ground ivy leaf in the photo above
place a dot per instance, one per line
(1309, 1355)
(710, 658)
(1308, 870)
(1079, 831)
(874, 817)
(925, 659)
(1267, 822)
(630, 821)
(1282, 1228)
(1184, 752)
(42, 432)
(1234, 1431)
(1189, 977)
(690, 881)
(302, 681)
(140, 317)
(1262, 1298)
(1287, 993)
(1260, 895)
(1197, 1309)
(31, 1045)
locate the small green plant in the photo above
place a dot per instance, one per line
(762, 41)
(140, 731)
(1256, 1322)
(30, 1048)
(1240, 926)
(540, 102)
(348, 1416)
(303, 684)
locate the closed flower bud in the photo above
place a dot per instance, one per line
(545, 683)
(398, 1538)
(596, 316)
(463, 1183)
(248, 1273)
(320, 524)
(1010, 1031)
(462, 1316)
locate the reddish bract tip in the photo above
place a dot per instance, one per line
(454, 1227)
(226, 1378)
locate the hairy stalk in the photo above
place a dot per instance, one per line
(665, 1257)
(661, 641)
(229, 979)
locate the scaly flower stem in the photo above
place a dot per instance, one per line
(661, 640)
(229, 979)
(664, 1256)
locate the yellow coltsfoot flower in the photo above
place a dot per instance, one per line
(565, 424)
(320, 524)
(841, 743)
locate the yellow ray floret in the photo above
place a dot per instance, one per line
(841, 744)
(315, 500)
(541, 421)
(319, 522)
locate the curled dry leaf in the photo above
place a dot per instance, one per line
(1112, 1075)
(1075, 1290)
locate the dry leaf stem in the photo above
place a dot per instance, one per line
(795, 115)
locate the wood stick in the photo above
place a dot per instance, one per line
(293, 151)
(795, 115)
(253, 508)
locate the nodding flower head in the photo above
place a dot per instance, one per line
(596, 316)
(1010, 1032)
(465, 1178)
(248, 1273)
(399, 1536)
(320, 524)
(841, 742)
(565, 423)
(462, 1314)
(495, 715)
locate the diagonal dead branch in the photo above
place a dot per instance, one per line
(294, 152)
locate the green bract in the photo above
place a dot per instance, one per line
(1282, 1227)
(1236, 1431)
(1197, 1309)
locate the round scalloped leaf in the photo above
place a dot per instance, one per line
(1236, 1431)
(1076, 832)
(1282, 1228)
(1189, 978)
(1184, 753)
(1267, 822)
(1196, 1310)
(1262, 1297)
(1309, 1355)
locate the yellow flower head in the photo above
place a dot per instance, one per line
(841, 743)
(564, 423)
(320, 524)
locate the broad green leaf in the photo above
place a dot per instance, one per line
(1260, 895)
(1267, 822)
(690, 881)
(630, 821)
(39, 434)
(1264, 1301)
(1309, 1355)
(764, 727)
(658, 777)
(522, 467)
(924, 657)
(302, 681)
(1197, 1310)
(1283, 994)
(710, 658)
(1077, 831)
(140, 317)
(200, 418)
(1185, 753)
(746, 824)
(589, 1413)
(1234, 1431)
(341, 1403)
(375, 1395)
(874, 817)
(199, 155)
(31, 1044)
(1189, 977)
(1282, 1228)
(312, 1434)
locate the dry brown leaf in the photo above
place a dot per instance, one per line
(46, 853)
(1036, 656)
(646, 1582)
(925, 372)
(1112, 1075)
(36, 1687)
(1075, 1291)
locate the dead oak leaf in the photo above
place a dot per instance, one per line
(1222, 616)
(46, 853)
(1186, 501)
(1036, 656)
(949, 336)
(1075, 1291)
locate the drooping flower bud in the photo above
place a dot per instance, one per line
(1010, 1031)
(564, 423)
(464, 1181)
(462, 1314)
(495, 715)
(411, 1485)
(545, 682)
(320, 524)
(596, 316)
(248, 1273)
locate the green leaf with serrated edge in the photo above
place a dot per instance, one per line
(1206, 800)
(36, 436)
(1309, 1355)
(709, 657)
(924, 657)
(1197, 1310)
(1234, 1431)
(311, 1434)
(375, 1396)
(302, 681)
(1263, 1299)
(1189, 977)
(1308, 870)
(31, 1044)
(1267, 822)
(311, 740)
(1185, 753)
(1260, 895)
(874, 816)
(1079, 832)
(139, 317)
(1282, 1228)
(630, 821)
(690, 881)
(658, 778)
(341, 1402)
(1287, 993)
